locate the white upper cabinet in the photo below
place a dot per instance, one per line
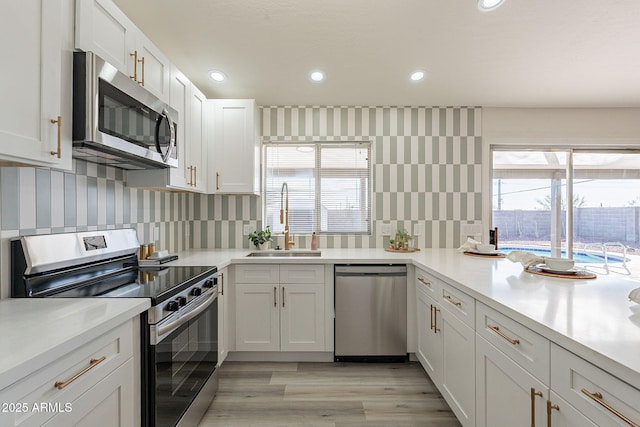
(197, 147)
(35, 113)
(102, 28)
(234, 155)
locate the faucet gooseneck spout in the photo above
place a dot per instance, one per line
(284, 215)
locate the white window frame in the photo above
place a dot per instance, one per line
(326, 144)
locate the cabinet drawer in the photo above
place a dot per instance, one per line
(458, 303)
(427, 284)
(257, 273)
(525, 347)
(603, 398)
(111, 350)
(301, 273)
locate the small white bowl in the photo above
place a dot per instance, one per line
(485, 248)
(561, 264)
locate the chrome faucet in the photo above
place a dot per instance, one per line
(284, 216)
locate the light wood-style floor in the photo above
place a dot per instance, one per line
(327, 394)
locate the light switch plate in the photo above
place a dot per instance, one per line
(156, 233)
(474, 229)
(246, 229)
(418, 229)
(385, 229)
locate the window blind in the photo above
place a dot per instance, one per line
(329, 186)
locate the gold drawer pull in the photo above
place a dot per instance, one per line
(59, 122)
(92, 364)
(550, 406)
(499, 332)
(435, 319)
(597, 397)
(420, 279)
(534, 393)
(135, 66)
(452, 301)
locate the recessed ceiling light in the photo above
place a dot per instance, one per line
(416, 76)
(217, 76)
(487, 5)
(316, 76)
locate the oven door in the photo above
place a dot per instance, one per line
(182, 359)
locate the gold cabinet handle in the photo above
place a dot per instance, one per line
(452, 301)
(502, 334)
(221, 283)
(534, 393)
(549, 408)
(217, 180)
(141, 61)
(431, 316)
(135, 66)
(190, 175)
(435, 319)
(195, 176)
(92, 364)
(597, 397)
(283, 297)
(275, 296)
(421, 280)
(59, 122)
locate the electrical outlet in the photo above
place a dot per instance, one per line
(246, 229)
(156, 233)
(471, 229)
(418, 229)
(385, 229)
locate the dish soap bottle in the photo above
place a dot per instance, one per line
(314, 242)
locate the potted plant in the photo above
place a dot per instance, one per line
(402, 238)
(260, 237)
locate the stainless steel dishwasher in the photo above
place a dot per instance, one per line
(371, 313)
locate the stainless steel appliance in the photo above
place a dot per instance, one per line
(371, 313)
(116, 121)
(179, 333)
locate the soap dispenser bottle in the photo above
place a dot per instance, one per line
(314, 242)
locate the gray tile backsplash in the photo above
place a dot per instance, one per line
(426, 170)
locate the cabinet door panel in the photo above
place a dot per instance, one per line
(429, 343)
(257, 317)
(179, 100)
(197, 148)
(458, 368)
(101, 27)
(302, 317)
(566, 415)
(31, 42)
(155, 73)
(503, 390)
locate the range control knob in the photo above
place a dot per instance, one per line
(173, 306)
(208, 284)
(182, 301)
(196, 292)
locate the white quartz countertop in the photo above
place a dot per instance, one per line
(36, 331)
(592, 318)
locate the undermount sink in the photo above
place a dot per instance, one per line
(281, 253)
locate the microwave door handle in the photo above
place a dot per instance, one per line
(172, 135)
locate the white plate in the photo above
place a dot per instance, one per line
(546, 269)
(493, 252)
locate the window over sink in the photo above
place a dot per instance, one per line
(329, 185)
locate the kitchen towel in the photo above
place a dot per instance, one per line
(527, 259)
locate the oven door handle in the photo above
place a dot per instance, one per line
(171, 326)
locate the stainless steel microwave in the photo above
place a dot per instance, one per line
(117, 122)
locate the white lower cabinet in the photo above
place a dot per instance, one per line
(561, 414)
(226, 314)
(506, 394)
(446, 347)
(96, 383)
(603, 398)
(280, 308)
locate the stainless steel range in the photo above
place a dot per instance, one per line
(179, 332)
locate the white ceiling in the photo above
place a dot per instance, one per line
(527, 53)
